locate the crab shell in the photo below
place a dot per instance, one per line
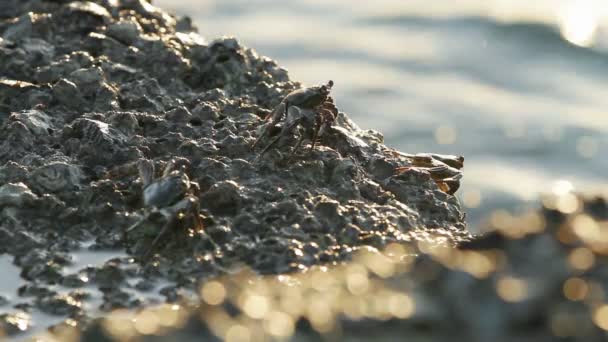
(305, 98)
(308, 97)
(446, 177)
(167, 190)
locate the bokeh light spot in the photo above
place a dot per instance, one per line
(579, 23)
(471, 198)
(256, 306)
(600, 316)
(238, 333)
(567, 203)
(562, 187)
(511, 289)
(581, 259)
(401, 305)
(575, 289)
(279, 324)
(146, 322)
(213, 293)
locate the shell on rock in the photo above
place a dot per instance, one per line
(166, 190)
(58, 176)
(96, 132)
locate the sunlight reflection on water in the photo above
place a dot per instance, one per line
(579, 22)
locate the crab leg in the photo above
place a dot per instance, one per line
(198, 222)
(145, 167)
(162, 232)
(126, 232)
(274, 141)
(276, 117)
(257, 141)
(315, 134)
(293, 152)
(134, 226)
(267, 147)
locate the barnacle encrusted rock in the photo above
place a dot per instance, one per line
(88, 88)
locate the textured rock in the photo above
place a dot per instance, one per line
(89, 88)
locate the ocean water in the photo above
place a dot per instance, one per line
(520, 88)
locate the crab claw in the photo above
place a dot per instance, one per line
(277, 113)
(330, 107)
(145, 167)
(326, 88)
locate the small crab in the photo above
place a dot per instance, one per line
(443, 169)
(173, 197)
(311, 107)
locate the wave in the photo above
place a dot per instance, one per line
(540, 34)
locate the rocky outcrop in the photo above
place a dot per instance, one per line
(89, 89)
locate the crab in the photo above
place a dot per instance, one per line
(443, 169)
(173, 197)
(312, 108)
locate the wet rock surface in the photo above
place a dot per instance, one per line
(90, 89)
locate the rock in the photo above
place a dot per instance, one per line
(79, 16)
(88, 80)
(219, 234)
(16, 195)
(39, 123)
(60, 305)
(89, 8)
(63, 67)
(328, 211)
(223, 198)
(145, 9)
(179, 114)
(205, 111)
(15, 94)
(125, 31)
(57, 176)
(10, 8)
(68, 94)
(21, 29)
(38, 51)
(109, 276)
(90, 88)
(94, 141)
(74, 281)
(13, 324)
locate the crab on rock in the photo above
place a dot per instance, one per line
(173, 197)
(311, 108)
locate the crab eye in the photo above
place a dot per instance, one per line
(330, 84)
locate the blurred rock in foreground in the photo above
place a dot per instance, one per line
(89, 90)
(537, 277)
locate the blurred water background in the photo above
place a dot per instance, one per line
(520, 88)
